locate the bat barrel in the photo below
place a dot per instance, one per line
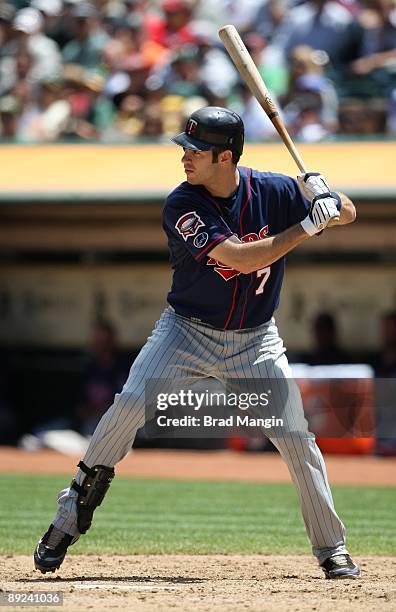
(250, 74)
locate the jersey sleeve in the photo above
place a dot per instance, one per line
(195, 227)
(298, 205)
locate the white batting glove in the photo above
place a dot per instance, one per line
(313, 184)
(323, 210)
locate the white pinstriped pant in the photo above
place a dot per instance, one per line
(183, 349)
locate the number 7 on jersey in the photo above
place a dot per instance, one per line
(264, 274)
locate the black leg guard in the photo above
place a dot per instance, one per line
(91, 492)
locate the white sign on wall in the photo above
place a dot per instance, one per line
(56, 305)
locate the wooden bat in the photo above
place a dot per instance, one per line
(248, 71)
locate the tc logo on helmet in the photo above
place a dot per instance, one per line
(191, 127)
(188, 224)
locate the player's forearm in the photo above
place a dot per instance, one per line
(255, 255)
(347, 212)
(247, 257)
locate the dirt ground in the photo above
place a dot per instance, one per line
(205, 583)
(206, 465)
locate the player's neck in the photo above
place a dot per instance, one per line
(224, 185)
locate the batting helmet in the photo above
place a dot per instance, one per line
(212, 126)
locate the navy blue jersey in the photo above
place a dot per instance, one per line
(264, 204)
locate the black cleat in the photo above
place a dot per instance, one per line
(51, 550)
(340, 566)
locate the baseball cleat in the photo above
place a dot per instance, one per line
(340, 566)
(51, 550)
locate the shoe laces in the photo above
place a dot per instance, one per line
(340, 559)
(55, 537)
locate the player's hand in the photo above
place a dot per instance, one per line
(313, 184)
(324, 211)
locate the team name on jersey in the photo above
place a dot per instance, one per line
(226, 272)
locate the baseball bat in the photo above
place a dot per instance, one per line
(248, 71)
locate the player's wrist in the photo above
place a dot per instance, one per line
(309, 226)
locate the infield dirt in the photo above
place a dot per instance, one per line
(205, 583)
(205, 465)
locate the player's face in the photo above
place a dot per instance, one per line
(198, 166)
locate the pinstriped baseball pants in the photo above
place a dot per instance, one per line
(186, 350)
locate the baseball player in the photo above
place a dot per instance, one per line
(229, 229)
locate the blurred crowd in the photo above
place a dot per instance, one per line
(132, 70)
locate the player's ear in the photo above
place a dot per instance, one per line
(225, 156)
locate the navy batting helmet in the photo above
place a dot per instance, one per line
(212, 126)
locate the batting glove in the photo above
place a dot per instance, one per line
(323, 210)
(313, 184)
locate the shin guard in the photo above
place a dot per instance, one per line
(91, 492)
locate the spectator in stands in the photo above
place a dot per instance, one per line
(104, 375)
(137, 68)
(181, 76)
(257, 125)
(20, 79)
(128, 119)
(152, 127)
(194, 69)
(310, 104)
(28, 24)
(137, 7)
(10, 111)
(270, 62)
(7, 13)
(89, 37)
(391, 113)
(307, 122)
(321, 24)
(51, 11)
(131, 32)
(90, 111)
(376, 44)
(61, 29)
(112, 58)
(8, 46)
(385, 368)
(175, 110)
(326, 349)
(136, 15)
(364, 117)
(213, 61)
(172, 29)
(241, 14)
(385, 362)
(46, 119)
(270, 16)
(168, 52)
